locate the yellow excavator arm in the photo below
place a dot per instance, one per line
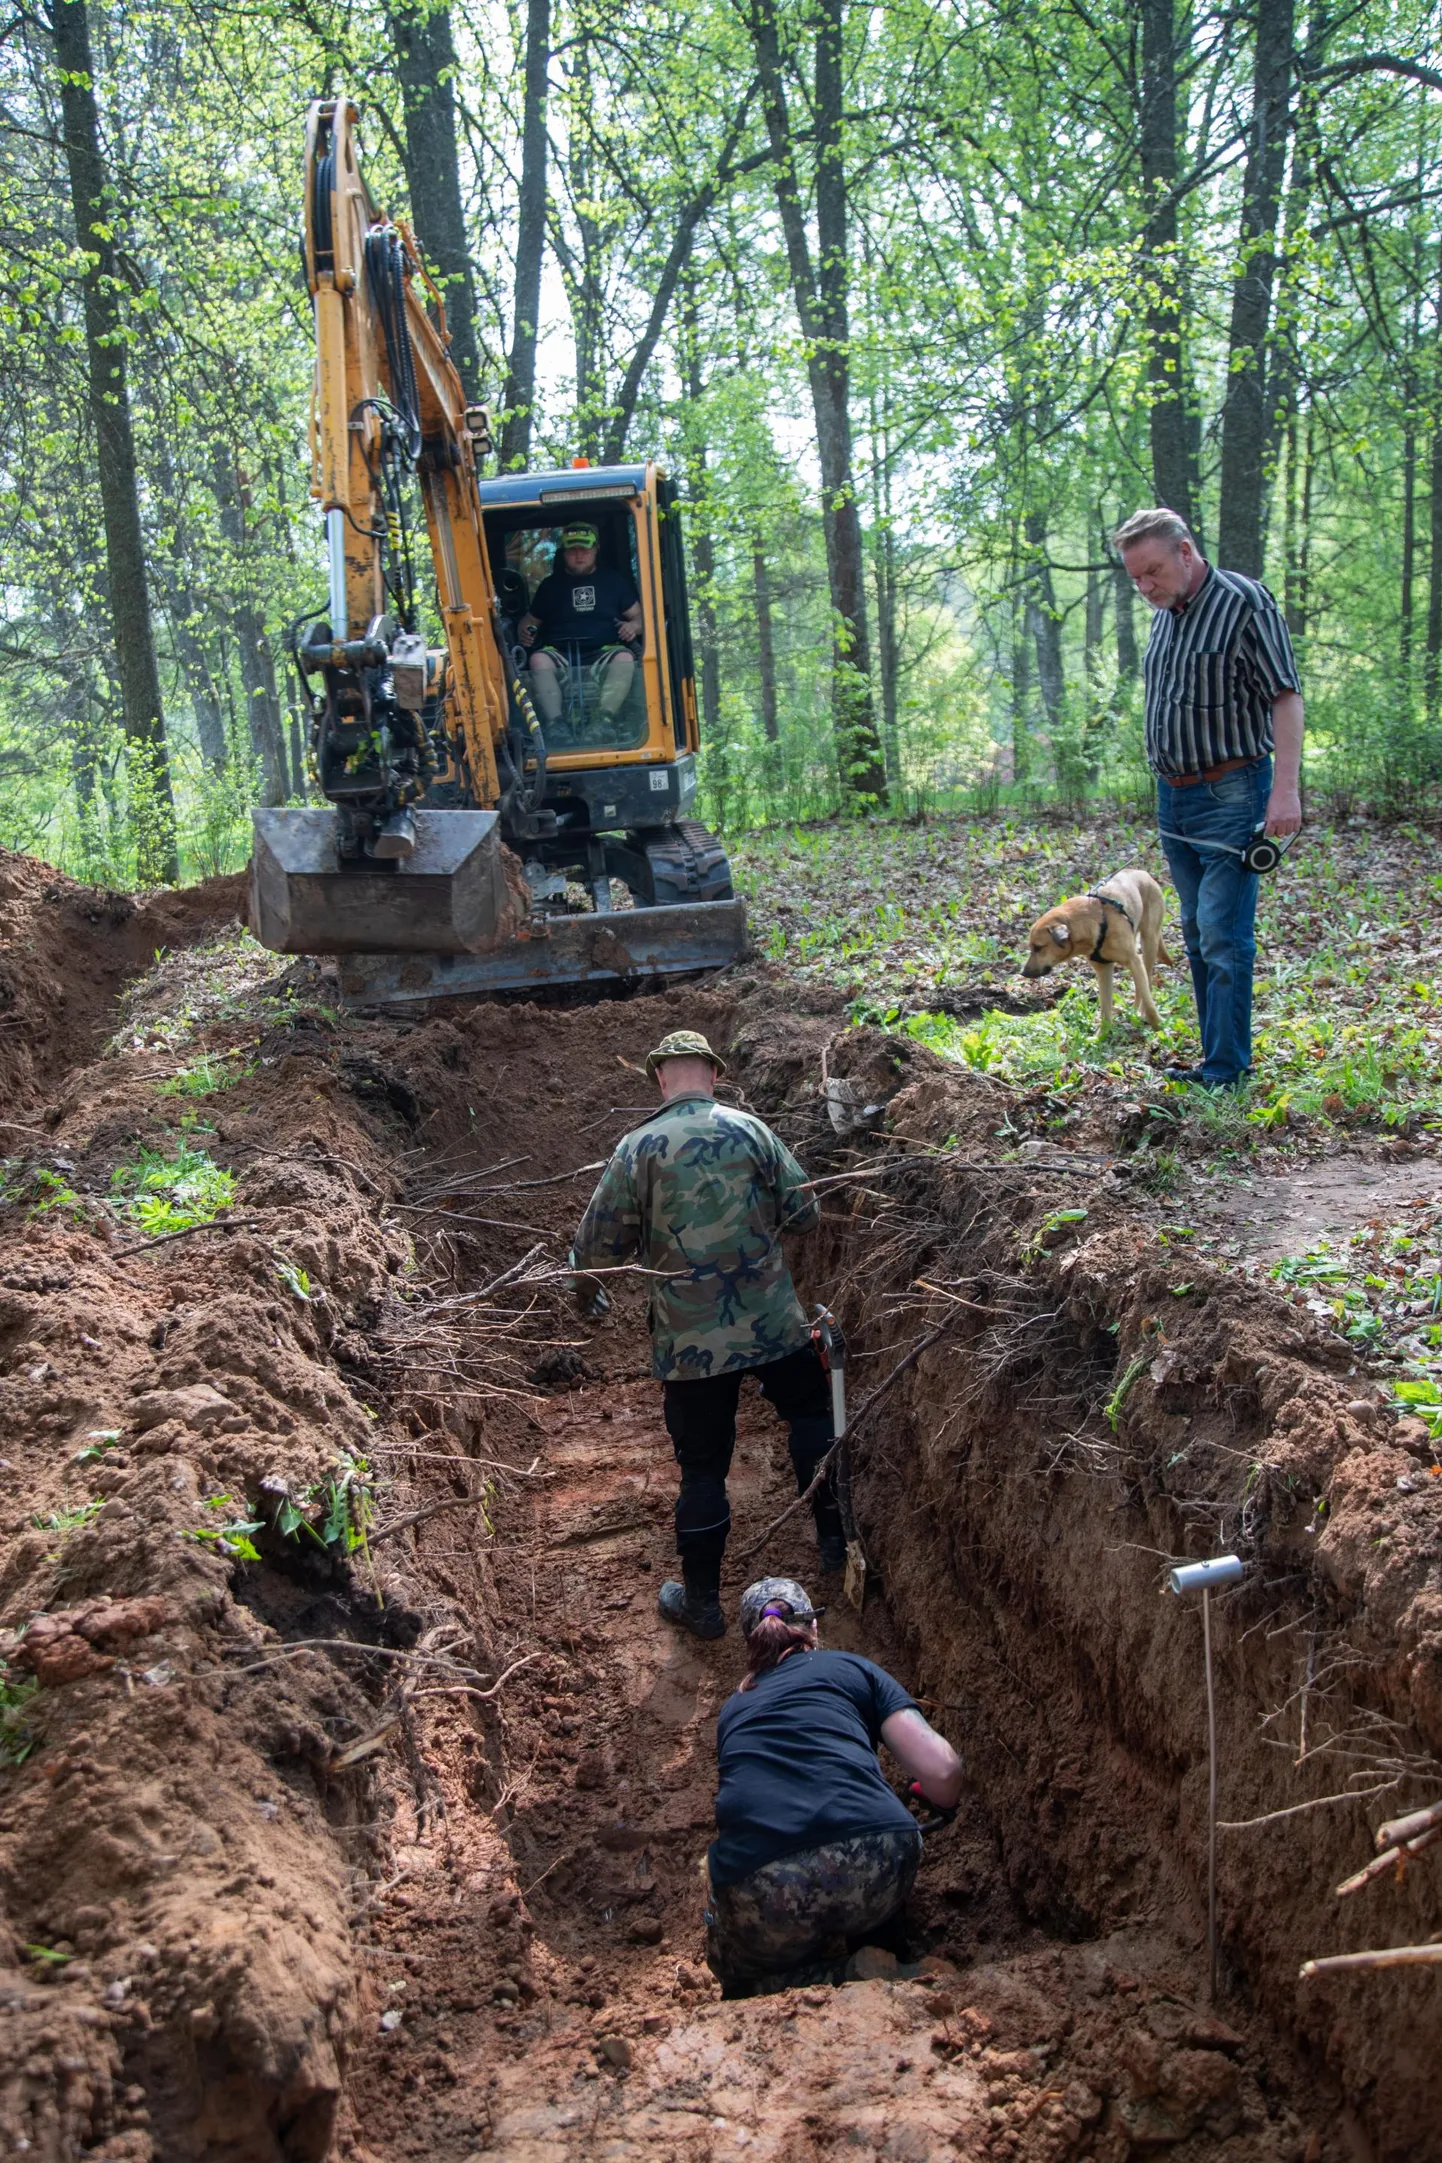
(447, 852)
(387, 395)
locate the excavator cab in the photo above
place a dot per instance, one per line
(618, 717)
(513, 808)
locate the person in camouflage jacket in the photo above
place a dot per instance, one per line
(701, 1194)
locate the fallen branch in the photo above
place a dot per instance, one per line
(344, 1644)
(216, 1224)
(432, 1509)
(507, 1276)
(1319, 1802)
(867, 1408)
(1393, 1858)
(1397, 1832)
(457, 1216)
(468, 1689)
(1393, 1956)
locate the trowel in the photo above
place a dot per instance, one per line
(826, 1335)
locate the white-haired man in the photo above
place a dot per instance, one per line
(1223, 701)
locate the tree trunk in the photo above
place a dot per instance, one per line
(1043, 622)
(152, 802)
(703, 548)
(1092, 633)
(199, 682)
(583, 281)
(1020, 688)
(1409, 539)
(185, 613)
(820, 296)
(1128, 667)
(257, 663)
(1174, 461)
(426, 63)
(888, 647)
(1241, 537)
(1298, 542)
(1432, 664)
(765, 639)
(520, 392)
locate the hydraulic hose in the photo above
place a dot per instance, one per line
(385, 258)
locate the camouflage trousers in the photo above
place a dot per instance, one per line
(804, 1907)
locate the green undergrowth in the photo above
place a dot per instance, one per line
(925, 929)
(205, 1076)
(17, 1700)
(171, 1193)
(1379, 1288)
(232, 978)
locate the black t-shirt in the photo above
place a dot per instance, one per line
(797, 1758)
(581, 609)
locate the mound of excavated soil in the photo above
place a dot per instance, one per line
(388, 1847)
(65, 952)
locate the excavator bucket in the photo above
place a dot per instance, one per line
(621, 946)
(449, 896)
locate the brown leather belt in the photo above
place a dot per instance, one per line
(1213, 773)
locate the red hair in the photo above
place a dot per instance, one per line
(769, 1643)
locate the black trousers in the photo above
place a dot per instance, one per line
(701, 1421)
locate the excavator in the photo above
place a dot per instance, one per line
(474, 835)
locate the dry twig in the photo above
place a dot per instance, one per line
(1393, 1956)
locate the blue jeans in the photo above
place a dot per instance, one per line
(1219, 905)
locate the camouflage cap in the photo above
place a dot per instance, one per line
(683, 1044)
(778, 1592)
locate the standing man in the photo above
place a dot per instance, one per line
(1222, 696)
(701, 1194)
(579, 614)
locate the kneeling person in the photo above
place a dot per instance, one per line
(812, 1847)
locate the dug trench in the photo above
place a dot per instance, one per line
(354, 1793)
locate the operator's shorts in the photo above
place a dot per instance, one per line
(593, 662)
(805, 1907)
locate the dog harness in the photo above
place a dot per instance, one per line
(1108, 901)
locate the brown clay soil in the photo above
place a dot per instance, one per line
(395, 1853)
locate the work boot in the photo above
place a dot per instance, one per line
(831, 1552)
(698, 1612)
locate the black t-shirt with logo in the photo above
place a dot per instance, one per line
(797, 1759)
(581, 608)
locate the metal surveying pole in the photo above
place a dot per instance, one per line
(1201, 1577)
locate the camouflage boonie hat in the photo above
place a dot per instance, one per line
(683, 1044)
(769, 1591)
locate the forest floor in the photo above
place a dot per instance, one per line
(351, 1794)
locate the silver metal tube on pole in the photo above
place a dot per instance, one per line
(335, 546)
(1200, 1577)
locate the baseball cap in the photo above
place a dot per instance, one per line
(683, 1044)
(776, 1592)
(579, 535)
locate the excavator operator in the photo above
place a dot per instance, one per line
(579, 613)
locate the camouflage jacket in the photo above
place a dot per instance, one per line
(703, 1192)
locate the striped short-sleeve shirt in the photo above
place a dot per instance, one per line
(1213, 670)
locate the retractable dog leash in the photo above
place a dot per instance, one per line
(1262, 853)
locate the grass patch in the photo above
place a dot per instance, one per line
(17, 1697)
(171, 1193)
(205, 1077)
(1348, 1009)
